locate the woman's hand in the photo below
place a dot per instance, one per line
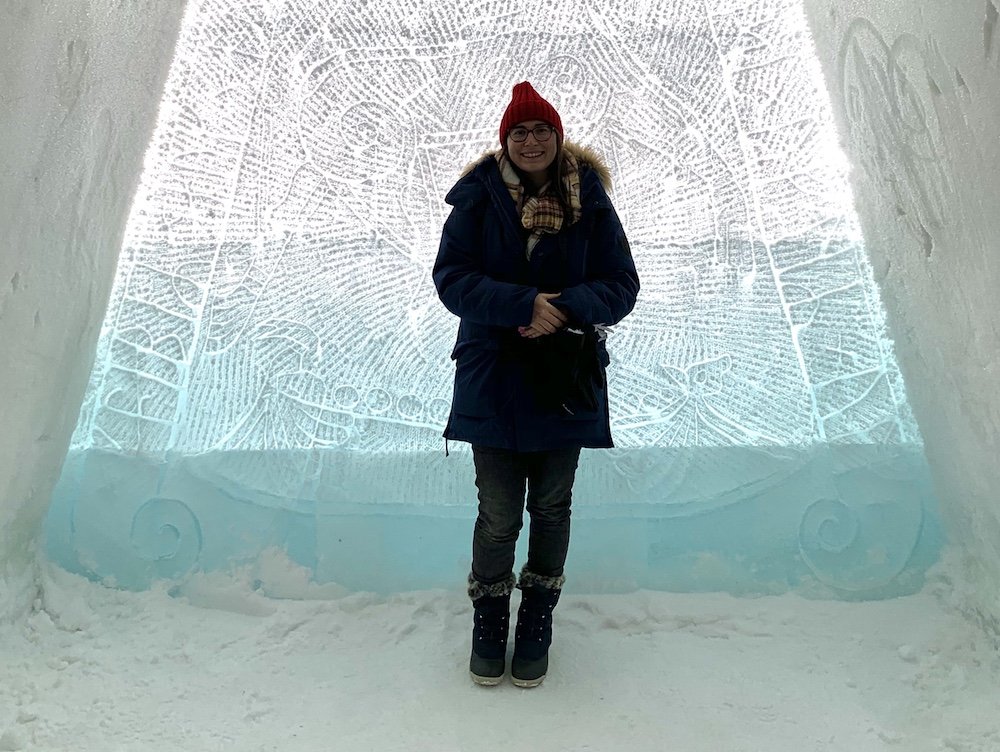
(545, 319)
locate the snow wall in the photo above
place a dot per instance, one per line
(914, 89)
(274, 372)
(80, 83)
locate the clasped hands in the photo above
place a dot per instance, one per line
(545, 318)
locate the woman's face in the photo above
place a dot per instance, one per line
(531, 155)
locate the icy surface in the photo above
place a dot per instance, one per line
(224, 667)
(274, 289)
(852, 521)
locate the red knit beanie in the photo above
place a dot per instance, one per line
(527, 104)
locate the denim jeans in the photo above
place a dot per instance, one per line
(501, 477)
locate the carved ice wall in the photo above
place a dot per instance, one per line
(274, 336)
(274, 289)
(914, 88)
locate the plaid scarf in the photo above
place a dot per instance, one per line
(542, 213)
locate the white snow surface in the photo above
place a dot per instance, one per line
(223, 665)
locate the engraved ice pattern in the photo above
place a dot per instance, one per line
(274, 344)
(274, 288)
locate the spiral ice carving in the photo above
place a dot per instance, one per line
(829, 526)
(859, 546)
(167, 533)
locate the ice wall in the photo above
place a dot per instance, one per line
(274, 369)
(80, 82)
(279, 252)
(916, 96)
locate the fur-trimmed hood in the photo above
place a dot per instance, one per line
(585, 156)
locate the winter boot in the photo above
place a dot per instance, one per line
(491, 625)
(533, 634)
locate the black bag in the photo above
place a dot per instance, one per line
(564, 370)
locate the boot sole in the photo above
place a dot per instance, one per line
(527, 683)
(486, 681)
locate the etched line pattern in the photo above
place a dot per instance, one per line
(274, 287)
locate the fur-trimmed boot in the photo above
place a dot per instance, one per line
(533, 634)
(491, 626)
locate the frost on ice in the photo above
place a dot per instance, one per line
(274, 289)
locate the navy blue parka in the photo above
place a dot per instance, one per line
(483, 276)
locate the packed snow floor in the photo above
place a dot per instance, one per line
(223, 667)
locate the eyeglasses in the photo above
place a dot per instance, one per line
(542, 133)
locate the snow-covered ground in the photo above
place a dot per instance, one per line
(221, 666)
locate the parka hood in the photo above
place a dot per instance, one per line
(585, 156)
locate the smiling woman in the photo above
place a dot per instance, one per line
(532, 149)
(535, 262)
(528, 142)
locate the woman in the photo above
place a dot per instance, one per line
(534, 261)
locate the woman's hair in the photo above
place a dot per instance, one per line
(557, 188)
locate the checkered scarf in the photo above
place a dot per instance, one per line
(542, 213)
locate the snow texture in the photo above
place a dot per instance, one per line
(914, 88)
(224, 667)
(81, 82)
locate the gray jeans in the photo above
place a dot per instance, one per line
(501, 477)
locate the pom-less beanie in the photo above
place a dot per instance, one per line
(527, 104)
